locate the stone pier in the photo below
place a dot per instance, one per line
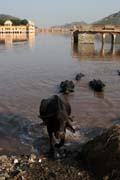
(86, 34)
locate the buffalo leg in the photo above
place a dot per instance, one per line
(61, 143)
(69, 126)
(51, 140)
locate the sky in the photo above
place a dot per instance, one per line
(47, 13)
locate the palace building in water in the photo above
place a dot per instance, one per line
(8, 27)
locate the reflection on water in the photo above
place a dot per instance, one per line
(99, 94)
(30, 73)
(9, 39)
(85, 51)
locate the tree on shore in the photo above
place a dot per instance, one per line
(16, 22)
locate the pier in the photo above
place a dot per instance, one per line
(86, 34)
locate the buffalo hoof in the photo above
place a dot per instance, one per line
(67, 87)
(51, 150)
(79, 76)
(57, 145)
(97, 85)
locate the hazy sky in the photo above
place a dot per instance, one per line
(56, 12)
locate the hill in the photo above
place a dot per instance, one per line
(69, 25)
(15, 20)
(113, 19)
(7, 17)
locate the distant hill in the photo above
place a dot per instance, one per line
(113, 19)
(15, 20)
(69, 25)
(7, 17)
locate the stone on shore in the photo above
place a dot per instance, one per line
(102, 154)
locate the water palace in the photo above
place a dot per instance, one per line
(8, 27)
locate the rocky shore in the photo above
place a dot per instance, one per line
(33, 167)
(99, 159)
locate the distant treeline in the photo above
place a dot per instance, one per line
(16, 22)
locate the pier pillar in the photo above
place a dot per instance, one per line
(113, 44)
(75, 37)
(113, 38)
(86, 38)
(103, 39)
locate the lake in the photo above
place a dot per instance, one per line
(31, 70)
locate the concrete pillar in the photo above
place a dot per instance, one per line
(113, 44)
(113, 38)
(103, 38)
(75, 36)
(102, 51)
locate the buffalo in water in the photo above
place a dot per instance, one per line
(67, 86)
(79, 76)
(55, 114)
(118, 71)
(97, 85)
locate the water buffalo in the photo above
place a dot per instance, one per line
(55, 113)
(67, 86)
(79, 76)
(97, 85)
(118, 71)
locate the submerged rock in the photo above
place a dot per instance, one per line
(102, 154)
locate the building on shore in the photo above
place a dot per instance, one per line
(9, 28)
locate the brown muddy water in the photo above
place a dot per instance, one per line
(32, 70)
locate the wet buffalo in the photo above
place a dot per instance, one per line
(55, 113)
(79, 76)
(97, 85)
(118, 71)
(67, 86)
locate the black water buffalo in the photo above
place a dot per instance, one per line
(97, 85)
(79, 76)
(67, 86)
(118, 71)
(55, 113)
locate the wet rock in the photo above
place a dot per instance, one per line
(79, 76)
(67, 87)
(41, 168)
(102, 154)
(32, 158)
(14, 173)
(97, 85)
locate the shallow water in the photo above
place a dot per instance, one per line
(32, 70)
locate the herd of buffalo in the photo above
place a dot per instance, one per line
(55, 112)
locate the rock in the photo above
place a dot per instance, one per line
(102, 154)
(2, 178)
(3, 158)
(16, 161)
(32, 158)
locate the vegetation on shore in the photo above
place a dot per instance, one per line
(16, 21)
